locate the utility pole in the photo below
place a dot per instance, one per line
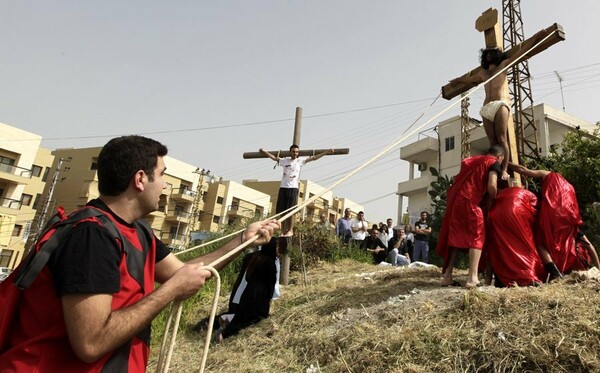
(560, 79)
(48, 200)
(195, 205)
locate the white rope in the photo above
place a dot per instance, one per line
(177, 306)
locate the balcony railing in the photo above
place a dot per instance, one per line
(240, 211)
(184, 215)
(9, 203)
(14, 170)
(183, 194)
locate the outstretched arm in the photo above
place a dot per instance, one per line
(536, 174)
(468, 78)
(273, 157)
(317, 156)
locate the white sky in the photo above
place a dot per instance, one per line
(186, 72)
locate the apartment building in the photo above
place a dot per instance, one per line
(192, 201)
(332, 206)
(443, 152)
(24, 169)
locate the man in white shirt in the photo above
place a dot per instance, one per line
(359, 229)
(288, 191)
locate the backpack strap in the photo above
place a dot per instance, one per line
(135, 258)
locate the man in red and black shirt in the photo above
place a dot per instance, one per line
(87, 311)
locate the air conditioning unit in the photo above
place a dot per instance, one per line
(422, 167)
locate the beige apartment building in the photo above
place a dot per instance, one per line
(444, 152)
(192, 201)
(332, 206)
(24, 169)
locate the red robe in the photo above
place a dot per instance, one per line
(463, 225)
(510, 243)
(558, 222)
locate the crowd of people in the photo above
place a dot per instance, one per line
(396, 245)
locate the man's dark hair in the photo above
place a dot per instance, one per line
(122, 157)
(491, 56)
(496, 150)
(294, 146)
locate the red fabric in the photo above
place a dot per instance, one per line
(39, 341)
(463, 225)
(558, 221)
(510, 245)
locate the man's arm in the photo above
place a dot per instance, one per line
(492, 187)
(94, 329)
(468, 78)
(265, 229)
(591, 251)
(273, 157)
(317, 156)
(536, 174)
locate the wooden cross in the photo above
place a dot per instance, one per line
(489, 24)
(285, 260)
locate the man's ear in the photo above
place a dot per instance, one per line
(139, 180)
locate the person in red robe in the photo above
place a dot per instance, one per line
(510, 244)
(463, 226)
(559, 241)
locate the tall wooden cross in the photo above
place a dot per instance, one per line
(285, 260)
(489, 24)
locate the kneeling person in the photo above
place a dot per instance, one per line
(250, 300)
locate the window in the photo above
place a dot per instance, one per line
(216, 219)
(17, 230)
(449, 143)
(94, 165)
(26, 199)
(6, 160)
(220, 200)
(36, 171)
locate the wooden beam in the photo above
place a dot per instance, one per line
(450, 91)
(303, 153)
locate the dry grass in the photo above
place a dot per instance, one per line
(360, 318)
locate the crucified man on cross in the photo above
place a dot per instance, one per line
(288, 191)
(496, 108)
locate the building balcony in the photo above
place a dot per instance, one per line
(9, 203)
(172, 239)
(183, 194)
(178, 216)
(14, 174)
(239, 211)
(416, 185)
(420, 151)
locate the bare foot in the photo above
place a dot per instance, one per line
(449, 282)
(289, 233)
(472, 285)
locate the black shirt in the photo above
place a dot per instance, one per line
(88, 259)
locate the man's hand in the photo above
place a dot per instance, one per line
(264, 229)
(187, 280)
(505, 175)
